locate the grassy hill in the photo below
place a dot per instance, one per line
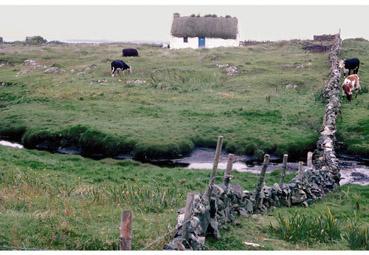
(173, 101)
(353, 128)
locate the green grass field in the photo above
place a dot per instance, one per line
(185, 100)
(353, 128)
(343, 218)
(53, 201)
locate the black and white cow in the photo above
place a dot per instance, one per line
(119, 65)
(129, 52)
(350, 66)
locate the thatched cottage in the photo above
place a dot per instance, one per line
(208, 31)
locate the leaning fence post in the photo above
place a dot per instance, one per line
(227, 173)
(125, 239)
(259, 187)
(218, 151)
(309, 161)
(187, 215)
(284, 168)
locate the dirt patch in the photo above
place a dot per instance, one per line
(53, 69)
(135, 82)
(31, 65)
(230, 70)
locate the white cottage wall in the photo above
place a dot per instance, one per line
(193, 42)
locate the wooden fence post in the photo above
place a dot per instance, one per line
(227, 173)
(309, 161)
(284, 168)
(125, 239)
(226, 181)
(218, 152)
(260, 185)
(187, 215)
(301, 168)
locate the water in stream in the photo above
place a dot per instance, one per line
(353, 170)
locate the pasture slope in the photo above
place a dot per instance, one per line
(174, 101)
(51, 201)
(206, 213)
(353, 128)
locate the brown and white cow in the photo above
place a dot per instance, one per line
(350, 84)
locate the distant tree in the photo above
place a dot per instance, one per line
(34, 40)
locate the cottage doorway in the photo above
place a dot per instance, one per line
(202, 42)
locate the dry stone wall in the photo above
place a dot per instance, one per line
(325, 157)
(207, 212)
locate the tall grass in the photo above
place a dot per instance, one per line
(326, 228)
(357, 236)
(53, 201)
(150, 198)
(302, 227)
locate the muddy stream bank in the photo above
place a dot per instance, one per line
(354, 170)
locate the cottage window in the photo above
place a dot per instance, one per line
(185, 39)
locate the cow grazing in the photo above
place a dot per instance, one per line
(350, 66)
(130, 52)
(350, 84)
(119, 65)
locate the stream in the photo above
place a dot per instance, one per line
(354, 170)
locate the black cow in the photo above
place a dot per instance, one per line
(119, 65)
(351, 64)
(130, 52)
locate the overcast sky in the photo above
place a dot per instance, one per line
(152, 23)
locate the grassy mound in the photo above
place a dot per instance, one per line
(174, 100)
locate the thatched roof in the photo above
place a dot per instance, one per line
(208, 26)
